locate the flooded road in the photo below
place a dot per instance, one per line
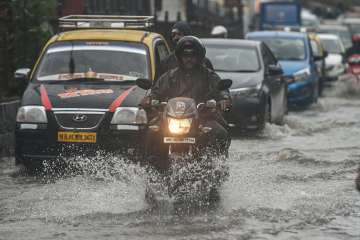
(293, 182)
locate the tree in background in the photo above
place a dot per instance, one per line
(6, 48)
(25, 29)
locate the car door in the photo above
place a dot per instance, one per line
(275, 83)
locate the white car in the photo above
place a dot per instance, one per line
(340, 30)
(334, 62)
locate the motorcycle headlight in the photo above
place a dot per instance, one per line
(302, 75)
(247, 91)
(179, 126)
(31, 114)
(129, 115)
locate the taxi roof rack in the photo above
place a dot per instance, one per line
(105, 22)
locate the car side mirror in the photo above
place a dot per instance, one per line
(274, 70)
(22, 74)
(224, 84)
(144, 83)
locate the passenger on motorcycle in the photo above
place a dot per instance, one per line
(355, 48)
(191, 79)
(179, 30)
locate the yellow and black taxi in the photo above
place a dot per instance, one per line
(81, 95)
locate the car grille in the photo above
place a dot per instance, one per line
(79, 120)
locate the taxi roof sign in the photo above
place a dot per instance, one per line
(105, 22)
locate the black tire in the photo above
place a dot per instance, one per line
(266, 117)
(316, 92)
(281, 119)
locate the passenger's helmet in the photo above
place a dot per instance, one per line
(219, 32)
(190, 44)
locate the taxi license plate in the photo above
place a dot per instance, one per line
(77, 137)
(179, 140)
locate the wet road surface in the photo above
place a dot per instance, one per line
(292, 182)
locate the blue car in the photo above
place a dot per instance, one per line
(293, 50)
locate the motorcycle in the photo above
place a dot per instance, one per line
(352, 76)
(193, 162)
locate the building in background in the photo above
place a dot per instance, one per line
(201, 14)
(106, 7)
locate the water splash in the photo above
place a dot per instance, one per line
(347, 88)
(189, 182)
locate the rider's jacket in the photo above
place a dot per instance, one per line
(199, 84)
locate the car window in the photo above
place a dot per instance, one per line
(112, 61)
(162, 50)
(332, 46)
(344, 34)
(287, 48)
(269, 58)
(233, 58)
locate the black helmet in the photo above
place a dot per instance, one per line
(190, 44)
(182, 27)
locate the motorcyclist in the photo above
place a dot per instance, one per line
(219, 32)
(191, 79)
(179, 30)
(355, 48)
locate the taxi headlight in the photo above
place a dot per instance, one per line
(31, 114)
(179, 126)
(129, 115)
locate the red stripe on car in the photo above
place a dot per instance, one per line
(117, 102)
(45, 98)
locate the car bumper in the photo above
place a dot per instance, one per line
(246, 112)
(333, 73)
(300, 93)
(40, 145)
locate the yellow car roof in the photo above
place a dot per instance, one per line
(104, 35)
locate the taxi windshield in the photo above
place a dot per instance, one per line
(109, 61)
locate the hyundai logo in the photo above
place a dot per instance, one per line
(79, 118)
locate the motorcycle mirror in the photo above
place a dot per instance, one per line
(144, 83)
(224, 84)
